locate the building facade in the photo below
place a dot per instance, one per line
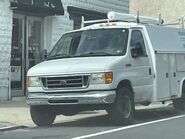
(169, 10)
(28, 27)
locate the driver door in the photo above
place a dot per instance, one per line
(142, 73)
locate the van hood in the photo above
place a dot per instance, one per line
(72, 66)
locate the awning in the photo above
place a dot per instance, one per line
(40, 7)
(88, 14)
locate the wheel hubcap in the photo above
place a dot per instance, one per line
(125, 107)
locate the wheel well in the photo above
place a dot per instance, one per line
(125, 83)
(183, 82)
(183, 85)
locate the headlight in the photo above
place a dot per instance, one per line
(102, 78)
(33, 82)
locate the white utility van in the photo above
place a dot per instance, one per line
(112, 65)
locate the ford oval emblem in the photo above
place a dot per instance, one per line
(63, 82)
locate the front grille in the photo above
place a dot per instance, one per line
(66, 82)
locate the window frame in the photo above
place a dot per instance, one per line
(143, 40)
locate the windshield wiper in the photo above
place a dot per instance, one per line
(58, 56)
(94, 54)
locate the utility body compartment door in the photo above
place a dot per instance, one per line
(174, 83)
(167, 84)
(162, 76)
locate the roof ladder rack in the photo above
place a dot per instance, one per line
(133, 18)
(115, 16)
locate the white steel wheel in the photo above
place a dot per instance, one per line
(122, 111)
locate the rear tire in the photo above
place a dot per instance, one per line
(179, 104)
(42, 115)
(122, 111)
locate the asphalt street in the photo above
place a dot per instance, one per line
(163, 123)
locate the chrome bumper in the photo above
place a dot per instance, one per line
(94, 97)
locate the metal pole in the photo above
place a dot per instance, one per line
(9, 84)
(137, 18)
(82, 22)
(182, 22)
(160, 20)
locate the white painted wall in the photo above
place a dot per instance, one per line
(5, 47)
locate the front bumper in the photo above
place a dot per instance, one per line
(93, 97)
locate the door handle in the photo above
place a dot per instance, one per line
(174, 74)
(128, 65)
(150, 71)
(167, 75)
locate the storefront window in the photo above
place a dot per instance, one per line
(16, 54)
(24, 55)
(34, 42)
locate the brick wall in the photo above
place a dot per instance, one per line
(5, 47)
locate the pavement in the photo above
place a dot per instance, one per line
(15, 114)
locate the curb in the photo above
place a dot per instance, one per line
(9, 128)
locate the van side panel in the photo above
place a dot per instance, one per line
(168, 47)
(165, 39)
(180, 62)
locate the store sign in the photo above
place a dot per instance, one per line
(42, 3)
(41, 7)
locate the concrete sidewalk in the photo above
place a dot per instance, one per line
(15, 114)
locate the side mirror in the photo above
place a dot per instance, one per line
(137, 50)
(45, 54)
(134, 52)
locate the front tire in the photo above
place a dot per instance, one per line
(122, 111)
(42, 115)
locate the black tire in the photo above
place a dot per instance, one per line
(42, 115)
(179, 104)
(122, 111)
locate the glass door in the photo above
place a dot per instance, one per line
(26, 50)
(34, 41)
(17, 60)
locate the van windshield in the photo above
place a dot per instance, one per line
(88, 43)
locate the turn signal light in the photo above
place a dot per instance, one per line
(108, 77)
(27, 82)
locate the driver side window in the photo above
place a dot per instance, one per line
(137, 42)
